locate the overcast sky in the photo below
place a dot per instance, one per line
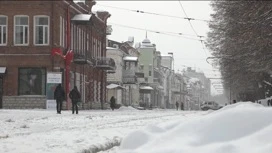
(187, 52)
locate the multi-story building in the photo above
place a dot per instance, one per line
(168, 73)
(178, 89)
(115, 80)
(150, 63)
(38, 37)
(128, 75)
(205, 82)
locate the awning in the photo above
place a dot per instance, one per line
(82, 19)
(2, 70)
(130, 58)
(146, 88)
(114, 86)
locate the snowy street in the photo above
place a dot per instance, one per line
(44, 131)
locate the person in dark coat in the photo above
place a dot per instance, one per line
(181, 106)
(59, 96)
(177, 105)
(269, 102)
(75, 97)
(112, 103)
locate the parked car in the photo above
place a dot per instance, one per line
(206, 105)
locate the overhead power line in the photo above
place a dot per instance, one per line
(181, 35)
(189, 20)
(152, 13)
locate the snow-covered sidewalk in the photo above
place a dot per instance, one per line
(44, 131)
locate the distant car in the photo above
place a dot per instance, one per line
(206, 105)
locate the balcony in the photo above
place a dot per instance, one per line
(105, 63)
(81, 57)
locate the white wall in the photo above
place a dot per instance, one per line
(117, 56)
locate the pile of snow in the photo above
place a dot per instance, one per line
(238, 128)
(124, 108)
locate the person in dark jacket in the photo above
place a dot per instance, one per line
(112, 103)
(177, 105)
(269, 102)
(59, 96)
(181, 106)
(75, 97)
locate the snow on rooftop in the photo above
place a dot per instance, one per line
(243, 127)
(130, 58)
(146, 88)
(112, 48)
(166, 55)
(193, 80)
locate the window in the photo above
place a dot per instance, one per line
(21, 31)
(41, 30)
(3, 30)
(62, 31)
(31, 81)
(61, 39)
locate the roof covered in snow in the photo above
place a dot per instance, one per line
(114, 86)
(193, 80)
(146, 88)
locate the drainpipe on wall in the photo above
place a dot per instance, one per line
(67, 63)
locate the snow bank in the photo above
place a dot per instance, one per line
(238, 128)
(124, 108)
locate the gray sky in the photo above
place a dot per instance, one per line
(187, 52)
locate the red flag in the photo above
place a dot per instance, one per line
(55, 51)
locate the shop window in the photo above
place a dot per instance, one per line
(32, 81)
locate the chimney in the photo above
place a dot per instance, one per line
(90, 4)
(103, 15)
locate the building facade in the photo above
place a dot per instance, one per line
(115, 79)
(55, 36)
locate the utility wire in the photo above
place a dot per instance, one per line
(189, 20)
(152, 13)
(158, 32)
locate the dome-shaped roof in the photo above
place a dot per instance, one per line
(146, 41)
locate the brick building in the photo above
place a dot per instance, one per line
(37, 37)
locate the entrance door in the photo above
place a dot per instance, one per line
(1, 91)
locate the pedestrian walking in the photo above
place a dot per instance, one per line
(181, 106)
(269, 102)
(59, 96)
(177, 105)
(112, 103)
(75, 97)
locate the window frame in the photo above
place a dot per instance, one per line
(34, 30)
(14, 32)
(6, 43)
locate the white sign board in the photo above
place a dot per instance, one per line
(54, 78)
(51, 104)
